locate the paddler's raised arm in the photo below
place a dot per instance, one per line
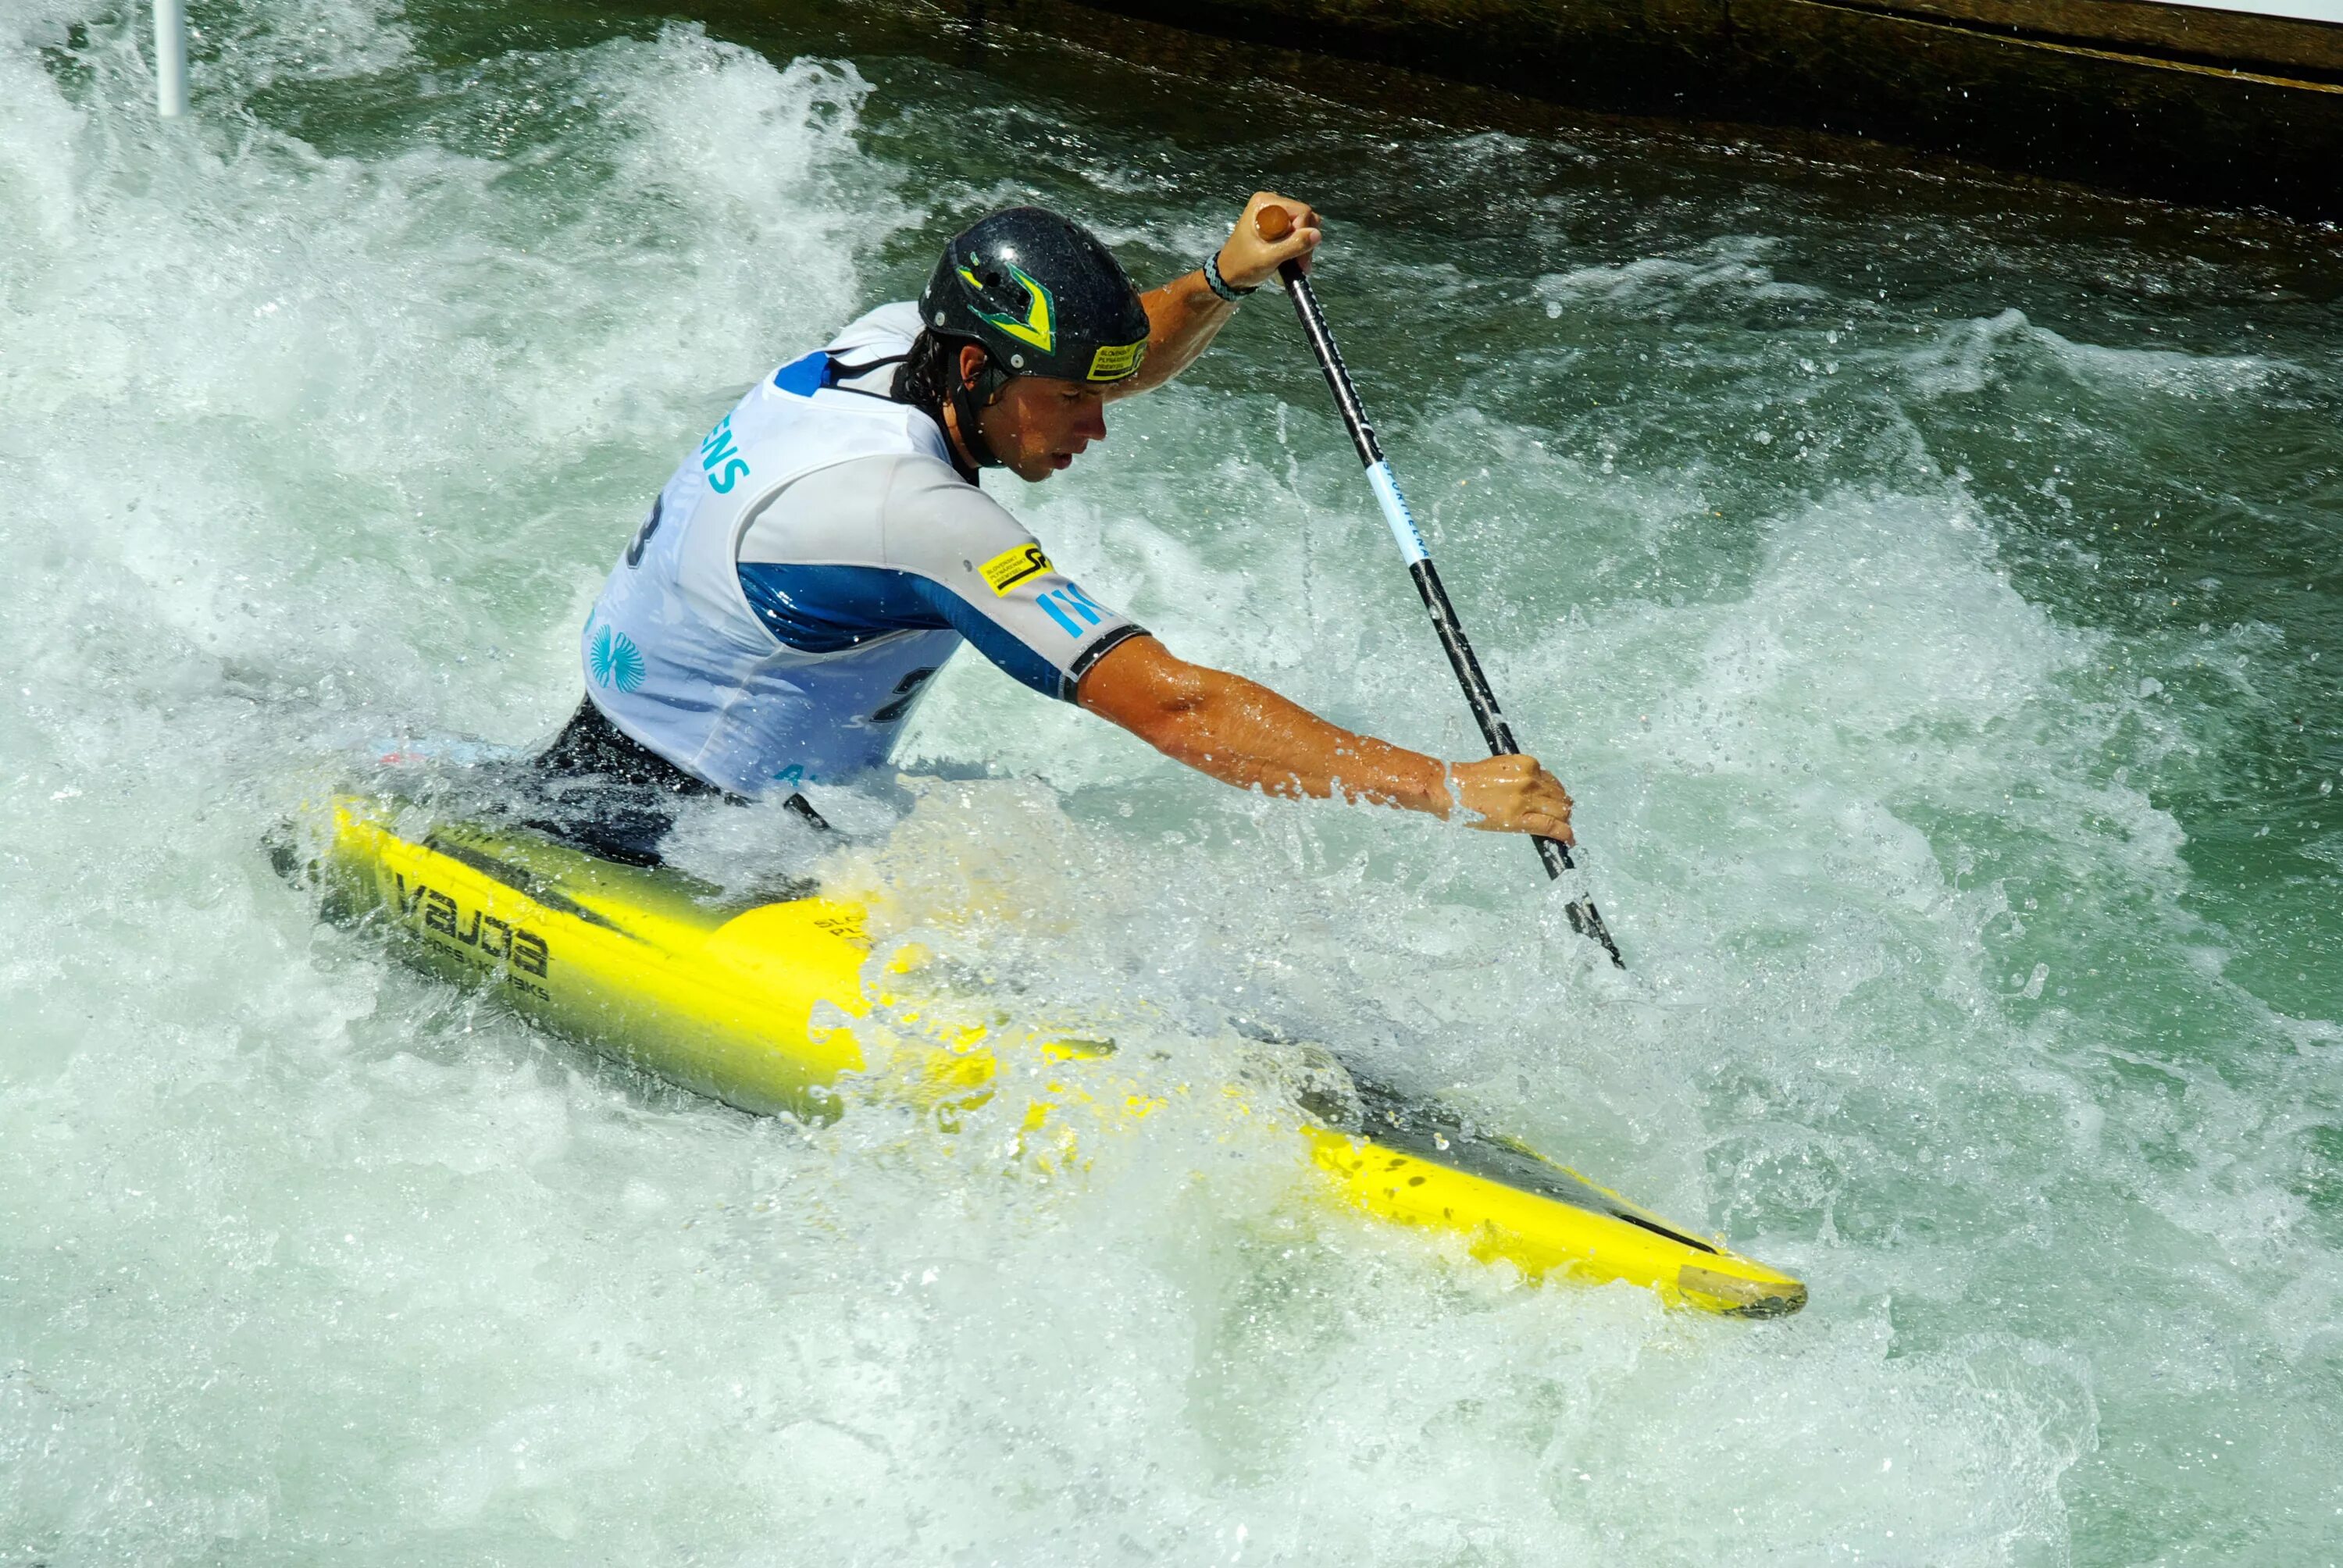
(1184, 315)
(1243, 733)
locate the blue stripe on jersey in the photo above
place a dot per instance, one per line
(805, 376)
(828, 609)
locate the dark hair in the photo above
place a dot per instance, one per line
(928, 373)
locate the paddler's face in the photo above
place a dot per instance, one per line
(1039, 425)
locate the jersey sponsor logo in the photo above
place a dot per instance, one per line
(615, 660)
(1116, 360)
(1036, 328)
(1066, 603)
(718, 449)
(1009, 568)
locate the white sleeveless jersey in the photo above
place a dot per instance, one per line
(802, 575)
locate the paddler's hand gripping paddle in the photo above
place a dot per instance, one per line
(1273, 223)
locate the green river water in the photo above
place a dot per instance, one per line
(1927, 585)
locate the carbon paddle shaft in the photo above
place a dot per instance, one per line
(1584, 918)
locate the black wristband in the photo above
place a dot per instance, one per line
(1222, 285)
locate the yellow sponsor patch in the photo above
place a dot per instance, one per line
(1117, 360)
(1009, 568)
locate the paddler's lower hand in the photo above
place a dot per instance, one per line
(1248, 261)
(1244, 734)
(1511, 795)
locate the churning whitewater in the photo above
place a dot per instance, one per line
(1922, 588)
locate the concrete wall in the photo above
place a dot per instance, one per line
(2197, 105)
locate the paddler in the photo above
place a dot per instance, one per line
(805, 573)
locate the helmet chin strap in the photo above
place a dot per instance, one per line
(967, 402)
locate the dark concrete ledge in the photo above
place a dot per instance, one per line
(2204, 108)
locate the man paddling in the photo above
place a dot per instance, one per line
(806, 572)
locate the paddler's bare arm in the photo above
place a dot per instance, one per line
(1243, 733)
(1184, 313)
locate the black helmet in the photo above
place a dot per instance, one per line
(1042, 298)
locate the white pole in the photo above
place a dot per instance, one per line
(170, 57)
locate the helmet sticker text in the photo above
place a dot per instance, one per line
(1114, 361)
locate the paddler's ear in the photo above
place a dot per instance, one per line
(971, 366)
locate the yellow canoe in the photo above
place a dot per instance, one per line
(766, 1007)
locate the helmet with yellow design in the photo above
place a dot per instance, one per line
(1040, 295)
